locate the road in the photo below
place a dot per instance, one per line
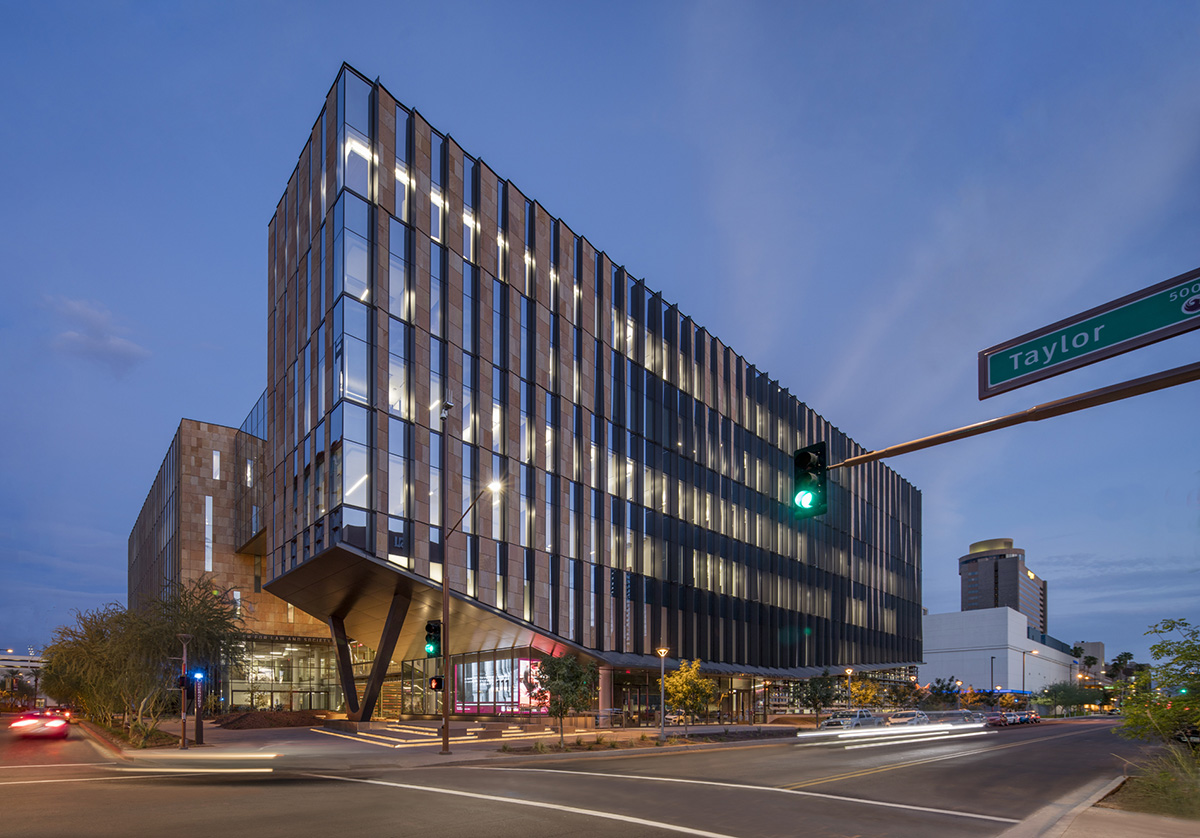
(978, 784)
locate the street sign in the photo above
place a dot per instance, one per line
(1139, 319)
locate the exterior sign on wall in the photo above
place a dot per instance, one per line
(1139, 319)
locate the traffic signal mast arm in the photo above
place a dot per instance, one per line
(1071, 404)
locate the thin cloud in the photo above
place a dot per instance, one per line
(92, 333)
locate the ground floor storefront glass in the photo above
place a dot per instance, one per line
(496, 683)
(283, 674)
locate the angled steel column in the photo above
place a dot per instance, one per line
(383, 655)
(341, 648)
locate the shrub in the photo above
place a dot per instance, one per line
(1167, 784)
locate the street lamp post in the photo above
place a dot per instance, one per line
(184, 638)
(849, 697)
(992, 671)
(661, 651)
(1023, 654)
(447, 680)
(958, 695)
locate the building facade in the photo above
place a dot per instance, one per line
(186, 530)
(432, 329)
(993, 575)
(993, 649)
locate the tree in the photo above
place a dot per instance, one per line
(1165, 698)
(973, 698)
(565, 686)
(864, 692)
(1063, 694)
(905, 694)
(1089, 661)
(816, 693)
(943, 692)
(688, 690)
(1121, 666)
(116, 662)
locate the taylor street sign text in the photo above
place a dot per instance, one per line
(1141, 318)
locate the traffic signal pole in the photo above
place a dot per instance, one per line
(1070, 404)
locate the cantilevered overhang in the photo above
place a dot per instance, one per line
(359, 589)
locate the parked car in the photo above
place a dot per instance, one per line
(1189, 736)
(1029, 717)
(996, 720)
(846, 719)
(959, 717)
(41, 724)
(1012, 717)
(908, 717)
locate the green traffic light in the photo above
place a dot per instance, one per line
(810, 480)
(430, 648)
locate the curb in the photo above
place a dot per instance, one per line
(1054, 819)
(1064, 823)
(601, 753)
(101, 742)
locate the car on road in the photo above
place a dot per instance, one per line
(996, 720)
(846, 719)
(908, 717)
(1029, 717)
(41, 724)
(1013, 718)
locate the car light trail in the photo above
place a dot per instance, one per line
(937, 738)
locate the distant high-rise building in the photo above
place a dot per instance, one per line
(994, 574)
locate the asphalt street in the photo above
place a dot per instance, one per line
(299, 781)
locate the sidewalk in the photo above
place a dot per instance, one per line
(1079, 817)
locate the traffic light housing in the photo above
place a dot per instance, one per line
(433, 638)
(435, 682)
(810, 483)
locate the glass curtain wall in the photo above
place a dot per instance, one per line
(669, 469)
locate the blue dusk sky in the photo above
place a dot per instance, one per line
(856, 196)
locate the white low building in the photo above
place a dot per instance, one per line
(992, 649)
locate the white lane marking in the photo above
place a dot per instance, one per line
(572, 810)
(757, 788)
(195, 771)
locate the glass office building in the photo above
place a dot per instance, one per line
(431, 330)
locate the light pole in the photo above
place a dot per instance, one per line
(992, 672)
(447, 678)
(849, 697)
(661, 651)
(1023, 654)
(183, 693)
(958, 695)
